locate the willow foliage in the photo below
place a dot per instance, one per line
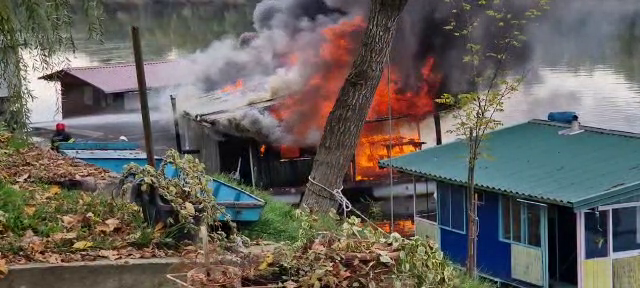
(37, 30)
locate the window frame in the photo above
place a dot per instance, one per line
(425, 216)
(439, 211)
(612, 254)
(524, 225)
(583, 230)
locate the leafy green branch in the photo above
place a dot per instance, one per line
(189, 192)
(35, 32)
(474, 112)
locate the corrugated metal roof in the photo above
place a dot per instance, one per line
(224, 105)
(122, 77)
(241, 112)
(533, 161)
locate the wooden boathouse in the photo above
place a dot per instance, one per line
(559, 205)
(111, 88)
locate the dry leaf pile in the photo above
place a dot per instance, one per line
(32, 164)
(51, 225)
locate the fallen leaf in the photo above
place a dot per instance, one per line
(37, 245)
(267, 260)
(4, 269)
(82, 245)
(113, 223)
(62, 236)
(189, 208)
(386, 259)
(54, 190)
(110, 254)
(22, 178)
(69, 221)
(158, 230)
(103, 228)
(53, 258)
(29, 210)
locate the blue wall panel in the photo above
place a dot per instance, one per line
(494, 256)
(454, 245)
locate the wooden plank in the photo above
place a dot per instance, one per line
(527, 264)
(596, 273)
(626, 272)
(427, 229)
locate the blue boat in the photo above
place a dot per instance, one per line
(114, 156)
(239, 204)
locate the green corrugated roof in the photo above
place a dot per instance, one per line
(533, 161)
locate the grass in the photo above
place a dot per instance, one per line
(278, 222)
(46, 212)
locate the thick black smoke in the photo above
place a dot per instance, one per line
(295, 27)
(420, 33)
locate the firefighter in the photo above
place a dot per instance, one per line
(59, 136)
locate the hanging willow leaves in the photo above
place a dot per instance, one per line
(33, 33)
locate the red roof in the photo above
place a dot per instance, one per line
(122, 77)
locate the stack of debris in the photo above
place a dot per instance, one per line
(23, 164)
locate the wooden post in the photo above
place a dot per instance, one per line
(253, 177)
(142, 90)
(176, 125)
(436, 122)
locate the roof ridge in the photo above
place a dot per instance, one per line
(116, 65)
(593, 129)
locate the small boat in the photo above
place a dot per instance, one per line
(114, 156)
(239, 205)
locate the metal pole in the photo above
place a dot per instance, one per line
(413, 177)
(142, 90)
(176, 125)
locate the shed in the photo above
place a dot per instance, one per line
(230, 129)
(556, 209)
(235, 133)
(110, 88)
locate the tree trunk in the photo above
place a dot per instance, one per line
(342, 131)
(472, 206)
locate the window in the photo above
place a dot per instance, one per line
(87, 92)
(625, 232)
(520, 222)
(432, 208)
(451, 207)
(595, 234)
(430, 212)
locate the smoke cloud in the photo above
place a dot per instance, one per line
(286, 51)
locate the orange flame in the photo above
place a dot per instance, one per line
(233, 87)
(288, 152)
(375, 144)
(304, 113)
(403, 227)
(263, 148)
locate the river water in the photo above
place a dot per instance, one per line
(589, 63)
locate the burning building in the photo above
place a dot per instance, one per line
(267, 95)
